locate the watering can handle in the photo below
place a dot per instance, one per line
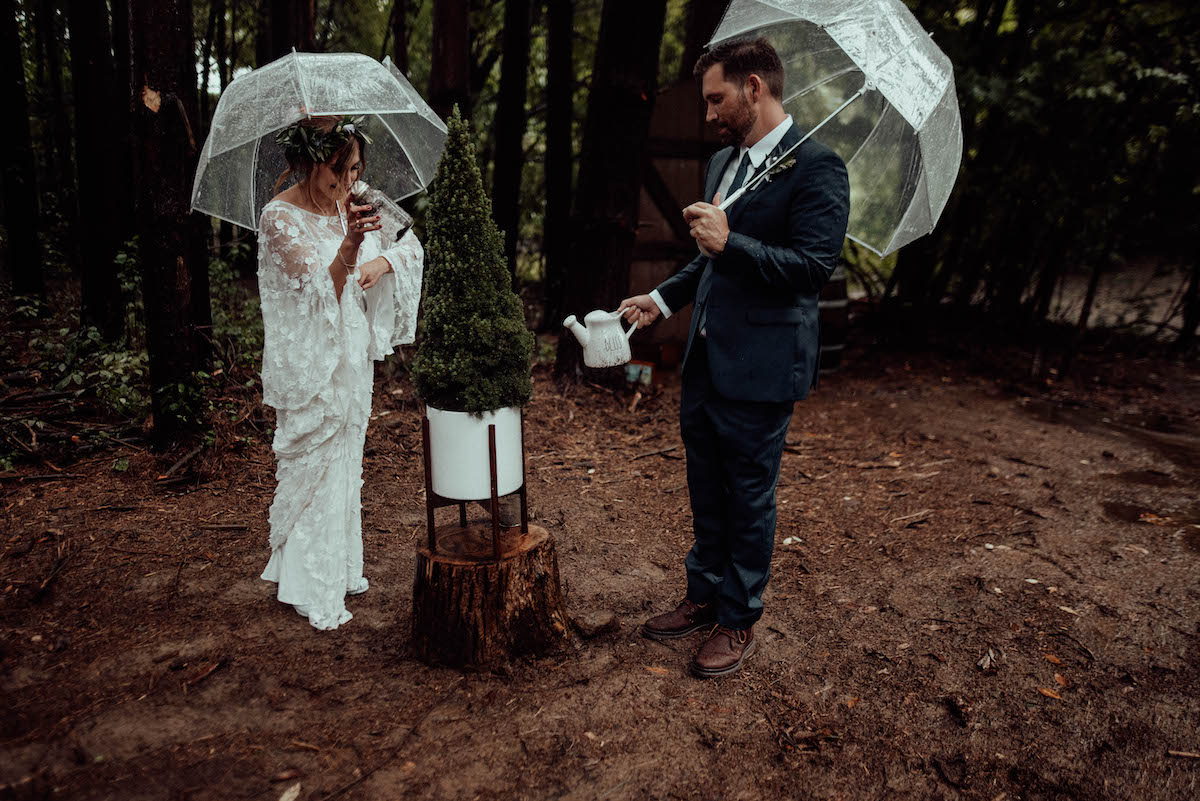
(632, 326)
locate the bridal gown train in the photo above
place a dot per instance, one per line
(317, 373)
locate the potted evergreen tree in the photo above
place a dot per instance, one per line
(472, 368)
(478, 599)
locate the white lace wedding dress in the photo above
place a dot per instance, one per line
(317, 373)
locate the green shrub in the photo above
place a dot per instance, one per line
(475, 348)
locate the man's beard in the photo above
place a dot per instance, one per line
(734, 129)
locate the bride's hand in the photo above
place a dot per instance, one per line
(370, 273)
(358, 223)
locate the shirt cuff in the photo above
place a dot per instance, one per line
(662, 304)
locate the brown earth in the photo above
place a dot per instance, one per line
(932, 519)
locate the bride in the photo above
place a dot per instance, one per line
(339, 287)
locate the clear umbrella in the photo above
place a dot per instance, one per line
(240, 161)
(881, 93)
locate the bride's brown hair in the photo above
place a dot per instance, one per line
(301, 163)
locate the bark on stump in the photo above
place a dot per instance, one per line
(471, 610)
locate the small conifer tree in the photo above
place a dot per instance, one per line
(475, 350)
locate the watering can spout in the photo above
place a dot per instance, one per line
(578, 329)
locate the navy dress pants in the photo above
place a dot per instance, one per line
(733, 454)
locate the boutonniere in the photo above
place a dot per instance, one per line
(777, 168)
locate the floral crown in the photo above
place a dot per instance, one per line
(301, 140)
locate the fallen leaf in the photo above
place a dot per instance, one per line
(1049, 693)
(853, 702)
(988, 662)
(291, 793)
(1052, 659)
(1062, 682)
(292, 773)
(153, 101)
(658, 671)
(1070, 611)
(589, 735)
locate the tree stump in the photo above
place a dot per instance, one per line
(470, 609)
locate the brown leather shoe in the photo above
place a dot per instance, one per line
(686, 618)
(723, 652)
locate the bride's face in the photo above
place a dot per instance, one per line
(336, 187)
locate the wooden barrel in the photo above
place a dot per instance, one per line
(835, 320)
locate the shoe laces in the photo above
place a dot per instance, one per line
(734, 635)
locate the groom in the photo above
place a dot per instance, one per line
(753, 346)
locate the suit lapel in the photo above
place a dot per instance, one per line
(791, 137)
(714, 177)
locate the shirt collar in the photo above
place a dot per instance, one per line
(763, 147)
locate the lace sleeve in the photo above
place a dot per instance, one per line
(392, 303)
(301, 317)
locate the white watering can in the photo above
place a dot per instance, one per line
(600, 335)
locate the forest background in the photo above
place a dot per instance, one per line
(1080, 170)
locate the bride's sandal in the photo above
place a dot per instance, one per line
(360, 588)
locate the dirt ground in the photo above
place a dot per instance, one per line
(981, 589)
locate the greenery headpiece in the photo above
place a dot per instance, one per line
(301, 140)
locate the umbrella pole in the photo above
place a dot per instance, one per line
(758, 179)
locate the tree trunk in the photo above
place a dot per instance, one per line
(510, 127)
(449, 74)
(1191, 314)
(206, 49)
(123, 111)
(400, 35)
(703, 16)
(290, 25)
(63, 171)
(102, 188)
(624, 82)
(161, 47)
(560, 113)
(223, 41)
(470, 609)
(24, 257)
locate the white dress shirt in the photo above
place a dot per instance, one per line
(758, 154)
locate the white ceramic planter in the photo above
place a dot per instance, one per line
(458, 451)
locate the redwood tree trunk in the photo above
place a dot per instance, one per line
(703, 16)
(161, 47)
(510, 127)
(560, 113)
(400, 35)
(449, 75)
(624, 82)
(291, 25)
(102, 188)
(24, 257)
(60, 126)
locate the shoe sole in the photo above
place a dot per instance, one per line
(705, 673)
(652, 634)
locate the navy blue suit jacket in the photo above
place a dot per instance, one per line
(758, 299)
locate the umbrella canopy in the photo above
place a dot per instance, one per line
(867, 75)
(241, 162)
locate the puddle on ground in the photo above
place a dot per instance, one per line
(1181, 448)
(1125, 512)
(1149, 478)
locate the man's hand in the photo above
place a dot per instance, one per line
(710, 227)
(641, 310)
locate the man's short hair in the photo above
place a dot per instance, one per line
(741, 57)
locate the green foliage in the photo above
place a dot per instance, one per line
(82, 360)
(475, 347)
(236, 315)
